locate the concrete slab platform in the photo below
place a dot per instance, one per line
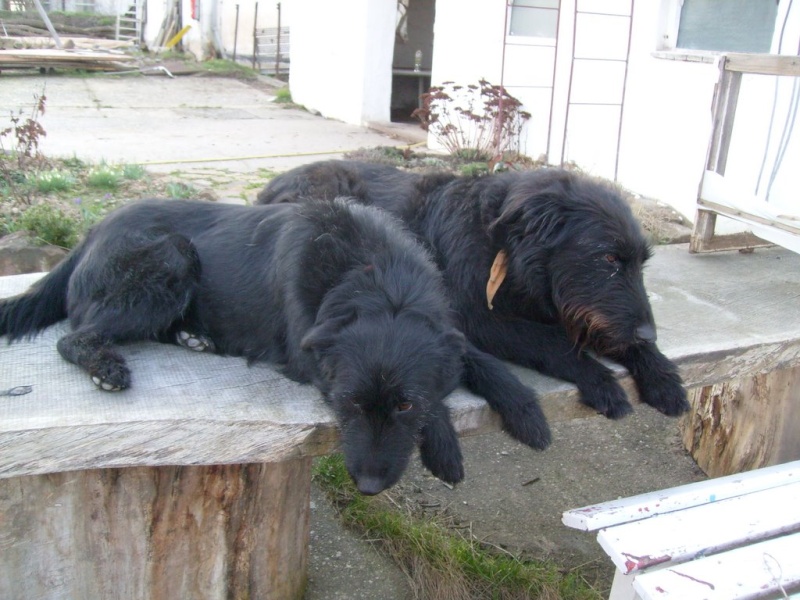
(165, 123)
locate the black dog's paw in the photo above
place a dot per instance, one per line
(665, 394)
(111, 377)
(194, 341)
(439, 448)
(449, 469)
(528, 425)
(608, 399)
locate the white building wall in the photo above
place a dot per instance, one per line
(666, 120)
(342, 58)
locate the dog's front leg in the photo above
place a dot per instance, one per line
(439, 448)
(517, 405)
(547, 349)
(656, 378)
(93, 352)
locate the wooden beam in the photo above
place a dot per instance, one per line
(724, 111)
(723, 209)
(763, 64)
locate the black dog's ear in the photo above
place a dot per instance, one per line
(322, 335)
(439, 448)
(538, 217)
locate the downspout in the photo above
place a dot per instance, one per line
(498, 124)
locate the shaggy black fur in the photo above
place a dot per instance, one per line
(574, 281)
(339, 294)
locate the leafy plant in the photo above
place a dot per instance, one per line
(181, 191)
(50, 224)
(477, 122)
(133, 172)
(55, 180)
(283, 96)
(474, 168)
(104, 177)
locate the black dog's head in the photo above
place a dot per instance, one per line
(576, 249)
(386, 377)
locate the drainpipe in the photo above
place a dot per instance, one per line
(498, 126)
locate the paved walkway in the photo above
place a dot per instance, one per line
(208, 127)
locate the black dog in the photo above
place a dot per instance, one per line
(339, 294)
(564, 255)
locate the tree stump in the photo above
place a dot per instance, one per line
(744, 423)
(191, 532)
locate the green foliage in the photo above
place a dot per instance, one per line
(133, 172)
(50, 224)
(104, 177)
(228, 67)
(53, 181)
(74, 163)
(181, 191)
(474, 169)
(283, 96)
(439, 559)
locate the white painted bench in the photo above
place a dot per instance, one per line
(196, 481)
(727, 538)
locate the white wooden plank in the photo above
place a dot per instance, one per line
(766, 221)
(747, 572)
(682, 535)
(624, 510)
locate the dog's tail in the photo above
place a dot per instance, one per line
(44, 304)
(517, 405)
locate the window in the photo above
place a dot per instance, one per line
(727, 25)
(534, 18)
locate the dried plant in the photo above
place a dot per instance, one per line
(22, 156)
(475, 122)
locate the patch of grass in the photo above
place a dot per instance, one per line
(104, 177)
(49, 224)
(266, 174)
(474, 168)
(133, 172)
(283, 95)
(181, 191)
(220, 66)
(440, 562)
(53, 181)
(74, 163)
(385, 155)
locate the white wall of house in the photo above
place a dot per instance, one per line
(656, 144)
(342, 58)
(666, 120)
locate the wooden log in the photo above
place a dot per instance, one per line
(206, 533)
(744, 423)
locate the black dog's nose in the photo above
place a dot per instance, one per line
(369, 486)
(646, 333)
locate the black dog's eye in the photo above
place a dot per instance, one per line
(612, 258)
(404, 406)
